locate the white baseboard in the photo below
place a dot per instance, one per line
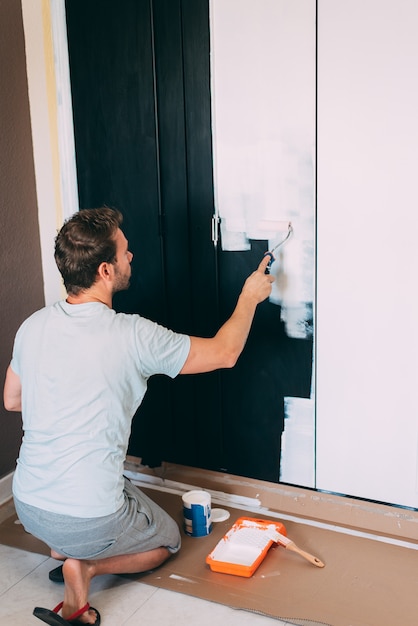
(6, 488)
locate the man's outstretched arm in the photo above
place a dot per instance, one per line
(223, 350)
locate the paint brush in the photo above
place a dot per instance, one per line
(290, 545)
(271, 252)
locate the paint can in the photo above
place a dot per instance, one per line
(197, 513)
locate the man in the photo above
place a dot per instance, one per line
(78, 373)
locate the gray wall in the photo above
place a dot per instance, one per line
(21, 281)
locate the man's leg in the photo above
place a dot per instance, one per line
(78, 574)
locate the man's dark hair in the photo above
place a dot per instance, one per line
(86, 240)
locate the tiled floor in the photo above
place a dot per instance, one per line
(24, 584)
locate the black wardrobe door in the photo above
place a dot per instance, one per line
(112, 81)
(141, 100)
(182, 69)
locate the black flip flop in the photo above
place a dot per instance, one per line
(53, 619)
(56, 575)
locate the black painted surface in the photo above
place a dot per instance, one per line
(141, 98)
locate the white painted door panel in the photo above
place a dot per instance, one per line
(367, 252)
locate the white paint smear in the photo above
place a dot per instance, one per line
(182, 579)
(263, 105)
(297, 465)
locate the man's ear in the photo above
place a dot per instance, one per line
(105, 271)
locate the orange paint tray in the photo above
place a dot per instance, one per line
(244, 546)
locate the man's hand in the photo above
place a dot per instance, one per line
(258, 284)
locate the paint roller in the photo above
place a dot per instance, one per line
(278, 226)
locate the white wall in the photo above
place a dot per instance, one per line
(52, 128)
(367, 253)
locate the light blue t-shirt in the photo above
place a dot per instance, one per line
(84, 371)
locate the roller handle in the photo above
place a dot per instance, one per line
(270, 253)
(272, 259)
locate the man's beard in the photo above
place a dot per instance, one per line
(122, 281)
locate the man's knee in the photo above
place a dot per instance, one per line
(57, 555)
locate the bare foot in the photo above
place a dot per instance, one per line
(77, 577)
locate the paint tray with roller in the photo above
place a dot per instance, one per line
(244, 546)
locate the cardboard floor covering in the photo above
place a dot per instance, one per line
(364, 582)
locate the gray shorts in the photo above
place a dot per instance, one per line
(139, 525)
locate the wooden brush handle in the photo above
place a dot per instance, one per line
(309, 557)
(290, 545)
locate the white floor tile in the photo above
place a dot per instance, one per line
(24, 584)
(14, 565)
(169, 608)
